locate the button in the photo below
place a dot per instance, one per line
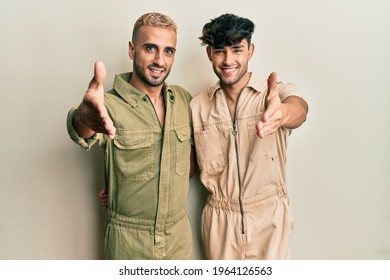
(145, 98)
(172, 98)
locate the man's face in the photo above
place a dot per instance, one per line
(230, 63)
(153, 53)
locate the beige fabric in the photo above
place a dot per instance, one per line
(247, 215)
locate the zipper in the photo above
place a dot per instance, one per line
(235, 132)
(159, 179)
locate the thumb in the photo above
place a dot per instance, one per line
(271, 82)
(271, 89)
(99, 76)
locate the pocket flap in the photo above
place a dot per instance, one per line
(133, 140)
(183, 133)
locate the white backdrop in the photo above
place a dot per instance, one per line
(336, 52)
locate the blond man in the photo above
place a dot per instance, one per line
(143, 125)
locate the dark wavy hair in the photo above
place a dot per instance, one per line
(227, 30)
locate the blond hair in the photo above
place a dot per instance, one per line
(153, 19)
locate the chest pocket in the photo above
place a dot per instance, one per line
(134, 155)
(211, 150)
(183, 150)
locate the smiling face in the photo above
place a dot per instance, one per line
(230, 63)
(153, 53)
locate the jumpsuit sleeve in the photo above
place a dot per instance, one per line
(286, 90)
(86, 144)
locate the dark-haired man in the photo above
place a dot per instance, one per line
(241, 126)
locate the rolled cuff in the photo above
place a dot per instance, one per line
(86, 144)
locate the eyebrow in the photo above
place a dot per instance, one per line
(156, 46)
(150, 45)
(238, 46)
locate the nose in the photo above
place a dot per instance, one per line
(227, 58)
(159, 59)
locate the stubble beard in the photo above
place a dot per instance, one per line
(149, 81)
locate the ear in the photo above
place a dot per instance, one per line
(251, 50)
(131, 50)
(208, 50)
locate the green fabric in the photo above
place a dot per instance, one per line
(147, 173)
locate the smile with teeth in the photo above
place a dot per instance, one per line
(229, 70)
(156, 70)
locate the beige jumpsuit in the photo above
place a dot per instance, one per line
(247, 215)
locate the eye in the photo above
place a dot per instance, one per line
(170, 51)
(150, 48)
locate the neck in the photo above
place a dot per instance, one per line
(154, 92)
(233, 91)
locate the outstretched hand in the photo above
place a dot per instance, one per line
(272, 118)
(93, 113)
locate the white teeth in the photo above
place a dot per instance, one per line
(228, 70)
(158, 71)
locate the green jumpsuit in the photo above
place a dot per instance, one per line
(147, 173)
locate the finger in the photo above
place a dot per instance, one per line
(100, 114)
(104, 116)
(272, 108)
(102, 195)
(264, 129)
(270, 126)
(111, 133)
(100, 121)
(268, 129)
(99, 76)
(108, 124)
(102, 110)
(259, 128)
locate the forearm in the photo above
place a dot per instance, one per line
(295, 111)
